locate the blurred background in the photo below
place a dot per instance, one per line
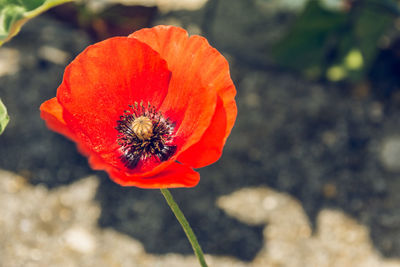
(309, 175)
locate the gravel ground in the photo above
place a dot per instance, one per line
(58, 227)
(327, 146)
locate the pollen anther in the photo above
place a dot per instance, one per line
(142, 127)
(144, 134)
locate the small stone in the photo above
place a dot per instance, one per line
(45, 215)
(329, 138)
(270, 203)
(80, 240)
(25, 225)
(35, 254)
(15, 185)
(53, 55)
(65, 214)
(376, 112)
(329, 190)
(252, 100)
(9, 61)
(390, 153)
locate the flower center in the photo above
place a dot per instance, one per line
(142, 127)
(144, 134)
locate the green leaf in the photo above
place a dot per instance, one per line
(371, 23)
(14, 14)
(312, 36)
(338, 44)
(3, 117)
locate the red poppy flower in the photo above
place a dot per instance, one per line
(147, 108)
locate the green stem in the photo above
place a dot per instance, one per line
(185, 225)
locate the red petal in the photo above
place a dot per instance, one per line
(200, 73)
(175, 175)
(52, 113)
(100, 84)
(211, 142)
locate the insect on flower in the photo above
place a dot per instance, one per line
(147, 108)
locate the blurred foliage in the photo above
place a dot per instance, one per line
(14, 13)
(3, 117)
(336, 44)
(115, 20)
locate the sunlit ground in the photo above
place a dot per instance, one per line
(42, 227)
